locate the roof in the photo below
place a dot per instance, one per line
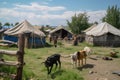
(24, 27)
(88, 29)
(2, 30)
(58, 28)
(37, 27)
(102, 29)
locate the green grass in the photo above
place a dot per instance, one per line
(33, 58)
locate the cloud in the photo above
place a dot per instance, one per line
(96, 16)
(38, 7)
(41, 15)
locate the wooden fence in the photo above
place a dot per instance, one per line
(20, 58)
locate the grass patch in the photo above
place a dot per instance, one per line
(68, 75)
(8, 70)
(33, 58)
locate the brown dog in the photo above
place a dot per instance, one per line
(80, 56)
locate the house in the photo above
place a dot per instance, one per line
(33, 36)
(61, 32)
(103, 34)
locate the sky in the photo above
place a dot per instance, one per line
(52, 12)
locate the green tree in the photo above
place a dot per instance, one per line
(113, 16)
(7, 24)
(16, 23)
(78, 23)
(0, 25)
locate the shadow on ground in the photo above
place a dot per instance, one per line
(86, 66)
(59, 72)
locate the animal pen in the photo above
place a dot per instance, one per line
(20, 58)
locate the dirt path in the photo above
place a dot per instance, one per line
(102, 69)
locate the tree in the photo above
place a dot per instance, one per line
(113, 16)
(7, 24)
(78, 23)
(16, 23)
(0, 25)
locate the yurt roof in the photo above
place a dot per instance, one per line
(24, 27)
(103, 28)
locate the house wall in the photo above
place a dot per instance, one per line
(89, 39)
(10, 38)
(100, 40)
(33, 42)
(37, 42)
(108, 40)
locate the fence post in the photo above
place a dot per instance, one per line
(20, 53)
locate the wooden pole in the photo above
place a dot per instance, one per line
(21, 42)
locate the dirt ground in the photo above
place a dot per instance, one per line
(100, 69)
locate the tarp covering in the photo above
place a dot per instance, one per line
(102, 29)
(88, 29)
(24, 27)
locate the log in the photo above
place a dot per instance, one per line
(21, 42)
(11, 53)
(10, 63)
(7, 41)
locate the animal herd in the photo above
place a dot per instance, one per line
(76, 59)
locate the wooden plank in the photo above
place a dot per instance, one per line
(11, 53)
(10, 63)
(7, 41)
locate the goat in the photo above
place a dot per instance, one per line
(53, 59)
(77, 56)
(74, 59)
(88, 50)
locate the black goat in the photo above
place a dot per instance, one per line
(53, 59)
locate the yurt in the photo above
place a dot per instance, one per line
(33, 36)
(103, 34)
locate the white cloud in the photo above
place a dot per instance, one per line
(38, 7)
(96, 15)
(41, 14)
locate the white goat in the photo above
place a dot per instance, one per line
(88, 50)
(74, 59)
